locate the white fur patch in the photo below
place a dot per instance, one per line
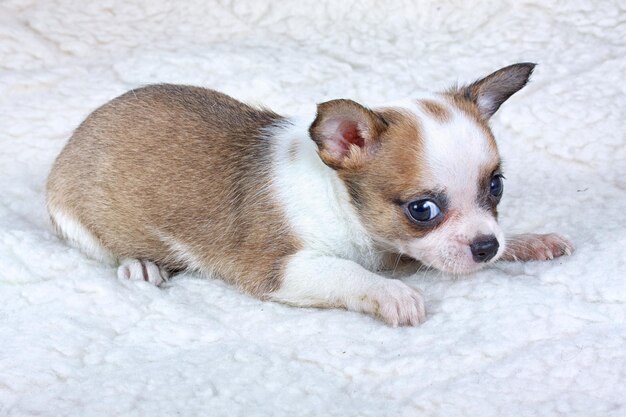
(75, 233)
(315, 200)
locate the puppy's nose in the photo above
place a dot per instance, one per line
(484, 248)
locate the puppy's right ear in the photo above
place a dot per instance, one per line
(346, 133)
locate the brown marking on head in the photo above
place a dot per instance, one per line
(395, 173)
(435, 110)
(195, 148)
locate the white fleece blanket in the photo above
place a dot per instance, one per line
(535, 339)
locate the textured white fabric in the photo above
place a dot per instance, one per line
(518, 339)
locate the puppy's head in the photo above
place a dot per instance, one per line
(425, 177)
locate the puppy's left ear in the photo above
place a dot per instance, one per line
(490, 92)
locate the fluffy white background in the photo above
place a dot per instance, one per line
(517, 339)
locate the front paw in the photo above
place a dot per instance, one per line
(393, 302)
(534, 247)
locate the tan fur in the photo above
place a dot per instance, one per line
(435, 110)
(396, 173)
(166, 165)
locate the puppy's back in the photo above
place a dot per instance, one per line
(177, 175)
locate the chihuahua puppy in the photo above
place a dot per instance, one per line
(300, 210)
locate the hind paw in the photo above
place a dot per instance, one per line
(142, 270)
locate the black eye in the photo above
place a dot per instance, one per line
(496, 187)
(423, 210)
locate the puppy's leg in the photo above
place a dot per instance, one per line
(310, 280)
(533, 247)
(142, 270)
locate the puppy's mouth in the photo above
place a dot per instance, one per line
(458, 265)
(461, 259)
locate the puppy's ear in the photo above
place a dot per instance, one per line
(490, 92)
(346, 133)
